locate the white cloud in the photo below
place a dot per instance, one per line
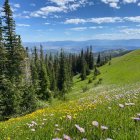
(112, 3)
(20, 16)
(116, 36)
(16, 5)
(139, 4)
(44, 11)
(116, 3)
(78, 29)
(46, 23)
(133, 19)
(85, 28)
(94, 20)
(130, 1)
(96, 27)
(75, 21)
(23, 25)
(131, 31)
(60, 6)
(103, 20)
(61, 2)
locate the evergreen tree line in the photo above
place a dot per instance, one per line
(27, 77)
(51, 75)
(16, 94)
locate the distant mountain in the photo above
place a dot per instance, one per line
(76, 46)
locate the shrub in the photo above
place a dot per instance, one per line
(84, 89)
(89, 81)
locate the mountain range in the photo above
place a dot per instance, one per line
(76, 46)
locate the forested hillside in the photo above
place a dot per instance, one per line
(26, 78)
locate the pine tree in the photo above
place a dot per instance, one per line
(62, 75)
(2, 52)
(35, 71)
(9, 35)
(98, 63)
(44, 92)
(11, 98)
(12, 42)
(91, 59)
(83, 66)
(44, 82)
(29, 100)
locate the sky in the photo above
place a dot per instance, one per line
(78, 20)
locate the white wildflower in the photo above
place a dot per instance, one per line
(33, 130)
(95, 123)
(69, 117)
(66, 137)
(121, 105)
(104, 127)
(82, 130)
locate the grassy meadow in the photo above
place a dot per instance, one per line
(110, 110)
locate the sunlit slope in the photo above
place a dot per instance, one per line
(123, 70)
(115, 107)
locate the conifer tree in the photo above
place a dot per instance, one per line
(44, 82)
(91, 59)
(98, 63)
(83, 66)
(2, 52)
(12, 42)
(62, 75)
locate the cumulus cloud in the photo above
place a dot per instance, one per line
(61, 2)
(44, 11)
(103, 20)
(116, 3)
(23, 25)
(46, 23)
(75, 21)
(133, 19)
(60, 6)
(131, 31)
(112, 3)
(94, 20)
(85, 28)
(16, 5)
(96, 27)
(130, 1)
(78, 29)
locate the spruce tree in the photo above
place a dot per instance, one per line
(12, 42)
(83, 66)
(91, 59)
(44, 82)
(2, 52)
(98, 63)
(62, 75)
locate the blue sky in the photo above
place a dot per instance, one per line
(55, 20)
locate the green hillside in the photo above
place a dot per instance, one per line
(123, 70)
(90, 112)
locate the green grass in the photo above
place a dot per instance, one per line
(123, 70)
(101, 103)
